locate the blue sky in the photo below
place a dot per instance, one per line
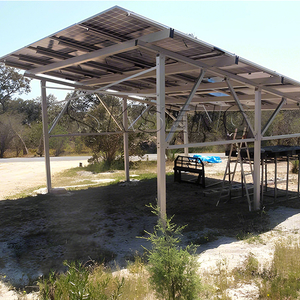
(265, 32)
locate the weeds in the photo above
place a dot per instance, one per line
(81, 283)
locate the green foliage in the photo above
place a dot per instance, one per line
(81, 283)
(11, 82)
(103, 166)
(172, 269)
(58, 144)
(295, 166)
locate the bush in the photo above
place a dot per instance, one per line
(295, 166)
(103, 166)
(173, 270)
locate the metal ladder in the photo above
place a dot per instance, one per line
(226, 191)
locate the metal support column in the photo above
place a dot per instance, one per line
(257, 150)
(161, 140)
(287, 176)
(125, 140)
(298, 184)
(185, 134)
(275, 179)
(46, 134)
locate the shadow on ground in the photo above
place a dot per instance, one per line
(38, 233)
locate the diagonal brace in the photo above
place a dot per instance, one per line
(59, 116)
(125, 79)
(185, 107)
(275, 113)
(143, 112)
(107, 109)
(233, 93)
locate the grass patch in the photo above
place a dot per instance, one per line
(204, 238)
(250, 237)
(282, 281)
(96, 282)
(24, 194)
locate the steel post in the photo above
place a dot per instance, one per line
(275, 181)
(46, 134)
(298, 183)
(257, 150)
(161, 140)
(125, 140)
(185, 134)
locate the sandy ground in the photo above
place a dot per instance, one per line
(41, 219)
(20, 176)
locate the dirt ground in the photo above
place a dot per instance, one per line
(21, 176)
(38, 233)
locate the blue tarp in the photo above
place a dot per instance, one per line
(211, 159)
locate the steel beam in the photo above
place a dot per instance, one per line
(275, 113)
(125, 140)
(133, 76)
(161, 144)
(212, 70)
(129, 95)
(242, 98)
(186, 106)
(185, 133)
(57, 81)
(102, 89)
(237, 101)
(87, 134)
(257, 150)
(46, 135)
(115, 49)
(214, 143)
(111, 50)
(278, 137)
(171, 69)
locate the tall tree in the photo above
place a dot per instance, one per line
(11, 83)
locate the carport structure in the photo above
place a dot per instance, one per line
(120, 50)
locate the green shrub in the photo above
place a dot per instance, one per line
(172, 269)
(295, 166)
(103, 166)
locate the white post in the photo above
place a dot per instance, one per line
(125, 139)
(185, 134)
(46, 134)
(161, 143)
(257, 149)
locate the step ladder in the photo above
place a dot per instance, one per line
(241, 159)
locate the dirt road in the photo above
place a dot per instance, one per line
(19, 176)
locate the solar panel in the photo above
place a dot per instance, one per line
(115, 27)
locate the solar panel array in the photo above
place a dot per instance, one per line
(116, 26)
